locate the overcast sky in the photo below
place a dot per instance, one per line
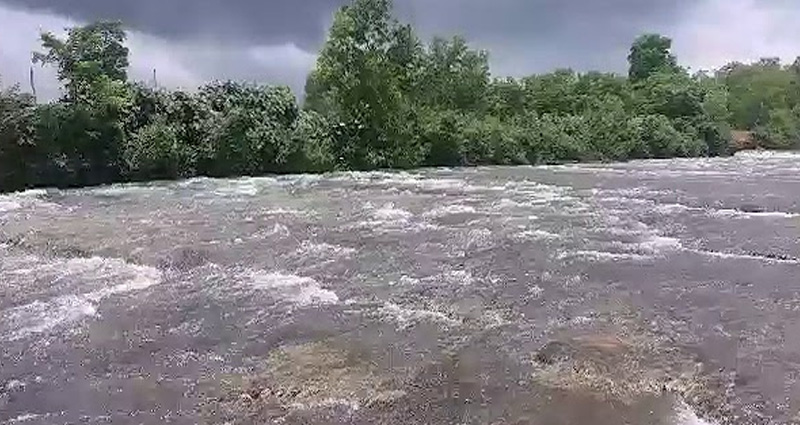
(275, 41)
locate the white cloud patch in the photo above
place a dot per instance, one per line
(716, 32)
(284, 56)
(20, 37)
(148, 53)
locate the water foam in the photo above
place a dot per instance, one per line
(29, 198)
(324, 250)
(277, 230)
(390, 218)
(508, 204)
(7, 205)
(283, 211)
(603, 256)
(389, 213)
(685, 415)
(447, 210)
(457, 278)
(538, 235)
(670, 209)
(655, 244)
(409, 317)
(42, 316)
(246, 187)
(298, 290)
(24, 418)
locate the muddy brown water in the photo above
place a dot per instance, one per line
(651, 292)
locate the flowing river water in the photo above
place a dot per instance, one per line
(655, 292)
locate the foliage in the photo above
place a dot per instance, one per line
(88, 54)
(17, 139)
(312, 143)
(155, 151)
(378, 98)
(782, 130)
(651, 54)
(359, 79)
(248, 129)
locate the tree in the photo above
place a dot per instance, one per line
(92, 64)
(455, 76)
(312, 144)
(783, 129)
(18, 150)
(360, 84)
(596, 85)
(506, 98)
(89, 55)
(611, 136)
(651, 54)
(552, 93)
(756, 90)
(156, 152)
(249, 127)
(656, 137)
(670, 94)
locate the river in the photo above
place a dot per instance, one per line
(649, 292)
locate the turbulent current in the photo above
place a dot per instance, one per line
(655, 292)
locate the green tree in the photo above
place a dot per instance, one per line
(506, 98)
(88, 55)
(651, 54)
(670, 94)
(611, 135)
(783, 129)
(248, 129)
(359, 82)
(312, 144)
(757, 89)
(18, 149)
(156, 152)
(91, 62)
(455, 76)
(552, 93)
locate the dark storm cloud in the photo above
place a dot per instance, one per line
(303, 21)
(275, 41)
(262, 21)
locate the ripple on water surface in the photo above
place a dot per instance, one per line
(438, 296)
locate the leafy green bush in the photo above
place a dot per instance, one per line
(311, 144)
(18, 148)
(156, 151)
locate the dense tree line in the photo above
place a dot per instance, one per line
(379, 98)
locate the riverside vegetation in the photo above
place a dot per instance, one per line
(379, 98)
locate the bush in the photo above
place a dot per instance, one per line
(612, 137)
(563, 138)
(657, 137)
(18, 148)
(156, 151)
(311, 145)
(782, 131)
(248, 128)
(442, 137)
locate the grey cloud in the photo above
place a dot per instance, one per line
(274, 21)
(303, 21)
(522, 35)
(275, 41)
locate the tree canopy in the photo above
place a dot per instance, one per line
(379, 97)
